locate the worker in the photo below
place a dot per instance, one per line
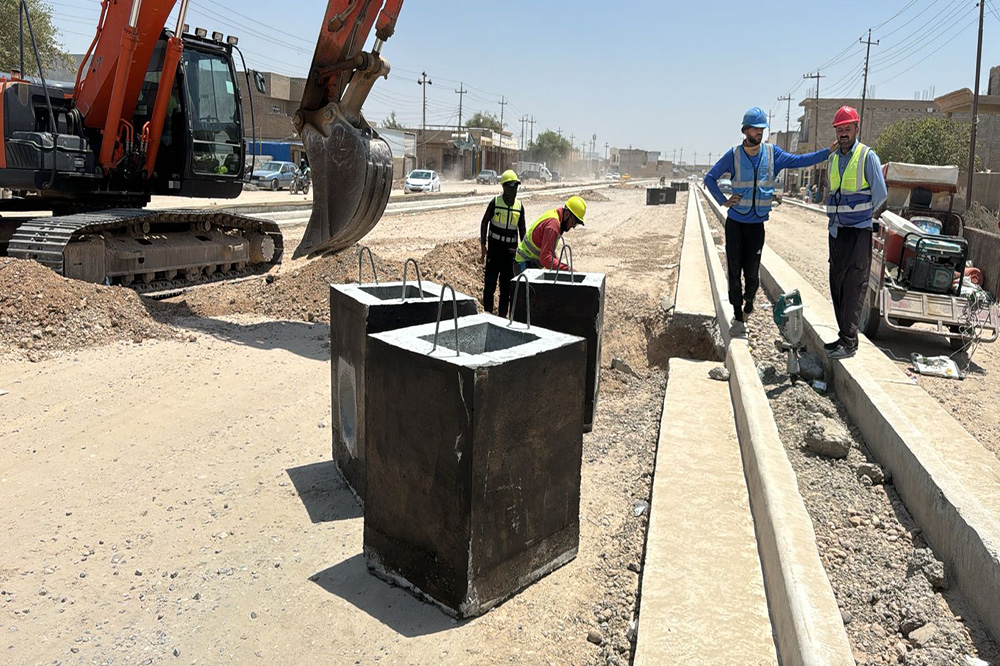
(537, 250)
(754, 169)
(857, 192)
(503, 224)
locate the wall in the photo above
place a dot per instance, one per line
(984, 251)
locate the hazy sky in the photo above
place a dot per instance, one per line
(659, 75)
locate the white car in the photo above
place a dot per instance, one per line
(422, 180)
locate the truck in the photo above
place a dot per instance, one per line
(533, 171)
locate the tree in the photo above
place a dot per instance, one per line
(936, 141)
(550, 147)
(485, 121)
(392, 123)
(46, 37)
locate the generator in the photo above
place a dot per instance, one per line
(930, 263)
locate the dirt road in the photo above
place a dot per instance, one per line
(799, 236)
(173, 501)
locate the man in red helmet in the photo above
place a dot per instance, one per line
(857, 192)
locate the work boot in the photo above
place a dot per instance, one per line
(830, 346)
(748, 307)
(842, 352)
(737, 329)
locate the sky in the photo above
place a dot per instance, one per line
(659, 75)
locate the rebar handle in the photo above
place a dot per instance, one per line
(527, 299)
(420, 282)
(562, 253)
(371, 258)
(454, 311)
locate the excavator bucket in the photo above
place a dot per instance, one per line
(351, 165)
(352, 178)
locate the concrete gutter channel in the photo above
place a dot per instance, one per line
(947, 480)
(754, 494)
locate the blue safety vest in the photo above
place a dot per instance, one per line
(850, 200)
(755, 185)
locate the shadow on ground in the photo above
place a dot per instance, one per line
(324, 492)
(390, 605)
(305, 339)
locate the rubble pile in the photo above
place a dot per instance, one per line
(41, 311)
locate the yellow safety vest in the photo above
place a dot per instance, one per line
(503, 226)
(527, 251)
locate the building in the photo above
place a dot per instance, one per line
(958, 105)
(638, 162)
(816, 124)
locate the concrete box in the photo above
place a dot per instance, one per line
(473, 459)
(660, 195)
(574, 305)
(356, 310)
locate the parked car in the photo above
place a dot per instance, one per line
(487, 177)
(612, 176)
(422, 180)
(274, 175)
(556, 177)
(726, 186)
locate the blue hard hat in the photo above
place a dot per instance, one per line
(755, 117)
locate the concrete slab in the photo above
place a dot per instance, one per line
(357, 310)
(948, 481)
(571, 303)
(703, 598)
(718, 278)
(474, 458)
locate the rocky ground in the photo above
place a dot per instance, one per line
(895, 597)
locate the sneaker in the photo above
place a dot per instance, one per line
(842, 352)
(830, 346)
(737, 328)
(748, 307)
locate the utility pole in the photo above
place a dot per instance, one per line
(524, 129)
(816, 76)
(975, 109)
(590, 157)
(532, 123)
(572, 138)
(503, 102)
(461, 93)
(788, 116)
(606, 146)
(696, 157)
(559, 132)
(675, 156)
(864, 89)
(423, 81)
(682, 156)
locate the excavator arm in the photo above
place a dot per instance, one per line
(351, 165)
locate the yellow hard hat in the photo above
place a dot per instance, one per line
(578, 207)
(509, 176)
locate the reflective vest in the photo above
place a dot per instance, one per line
(527, 251)
(850, 200)
(503, 226)
(755, 185)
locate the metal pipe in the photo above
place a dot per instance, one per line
(181, 15)
(133, 17)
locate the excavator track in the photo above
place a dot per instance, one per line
(150, 251)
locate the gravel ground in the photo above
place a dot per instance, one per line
(894, 595)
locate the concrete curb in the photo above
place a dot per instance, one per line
(805, 615)
(947, 480)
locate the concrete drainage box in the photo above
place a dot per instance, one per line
(355, 312)
(575, 305)
(660, 195)
(473, 459)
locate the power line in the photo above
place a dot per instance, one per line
(896, 76)
(905, 7)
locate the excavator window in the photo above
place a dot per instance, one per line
(214, 114)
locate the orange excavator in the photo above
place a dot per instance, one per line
(159, 112)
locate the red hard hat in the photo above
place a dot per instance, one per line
(845, 115)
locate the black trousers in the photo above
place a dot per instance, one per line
(850, 266)
(499, 264)
(744, 243)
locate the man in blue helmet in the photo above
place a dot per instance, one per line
(754, 170)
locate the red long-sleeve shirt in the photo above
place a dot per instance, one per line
(545, 235)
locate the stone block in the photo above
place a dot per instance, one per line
(357, 310)
(573, 304)
(474, 458)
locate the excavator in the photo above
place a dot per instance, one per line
(155, 111)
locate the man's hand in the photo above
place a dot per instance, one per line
(482, 254)
(835, 147)
(731, 201)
